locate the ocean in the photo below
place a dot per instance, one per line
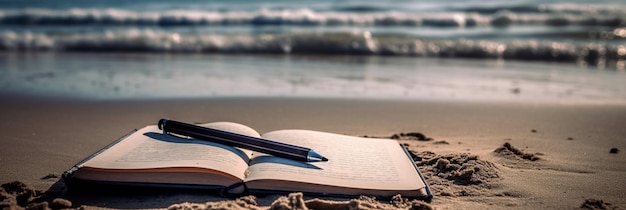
(520, 51)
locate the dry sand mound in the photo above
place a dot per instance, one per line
(458, 174)
(508, 151)
(512, 157)
(597, 204)
(16, 195)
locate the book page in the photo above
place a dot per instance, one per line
(148, 148)
(353, 162)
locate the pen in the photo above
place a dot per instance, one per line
(242, 141)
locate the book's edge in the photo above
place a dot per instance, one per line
(88, 187)
(333, 195)
(429, 194)
(68, 176)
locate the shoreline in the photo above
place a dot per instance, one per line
(128, 76)
(49, 135)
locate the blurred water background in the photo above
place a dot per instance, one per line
(531, 50)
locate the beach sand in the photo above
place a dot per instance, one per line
(477, 155)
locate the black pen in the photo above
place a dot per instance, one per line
(242, 141)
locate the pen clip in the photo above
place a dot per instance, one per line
(161, 125)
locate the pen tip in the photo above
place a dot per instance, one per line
(314, 156)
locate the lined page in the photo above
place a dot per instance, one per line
(148, 148)
(353, 162)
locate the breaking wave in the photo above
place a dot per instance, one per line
(586, 53)
(354, 16)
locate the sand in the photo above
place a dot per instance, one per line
(475, 155)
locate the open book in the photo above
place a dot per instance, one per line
(356, 166)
